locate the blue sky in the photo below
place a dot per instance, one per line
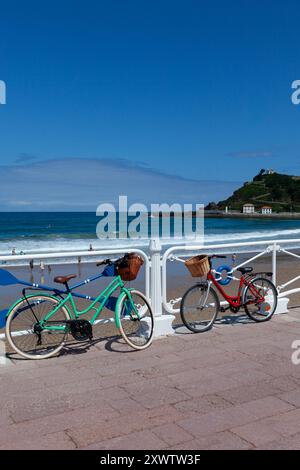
(191, 90)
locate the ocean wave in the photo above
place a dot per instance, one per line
(59, 245)
(253, 236)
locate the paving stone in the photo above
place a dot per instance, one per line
(124, 424)
(286, 424)
(152, 396)
(244, 393)
(203, 404)
(38, 405)
(292, 397)
(172, 434)
(141, 440)
(285, 443)
(268, 406)
(57, 441)
(223, 441)
(58, 422)
(125, 405)
(234, 387)
(286, 383)
(258, 433)
(216, 421)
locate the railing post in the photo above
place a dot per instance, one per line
(274, 264)
(163, 322)
(282, 303)
(155, 278)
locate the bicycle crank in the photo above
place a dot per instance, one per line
(81, 330)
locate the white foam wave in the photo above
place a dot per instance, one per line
(28, 246)
(242, 236)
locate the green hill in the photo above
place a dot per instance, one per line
(281, 192)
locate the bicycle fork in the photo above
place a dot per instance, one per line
(207, 294)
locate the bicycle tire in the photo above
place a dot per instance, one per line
(261, 316)
(17, 312)
(184, 308)
(127, 329)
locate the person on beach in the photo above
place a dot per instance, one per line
(91, 247)
(31, 264)
(13, 251)
(42, 266)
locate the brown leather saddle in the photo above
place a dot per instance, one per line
(64, 279)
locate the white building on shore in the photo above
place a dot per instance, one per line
(248, 208)
(266, 210)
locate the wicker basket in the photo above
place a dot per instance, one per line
(198, 265)
(129, 266)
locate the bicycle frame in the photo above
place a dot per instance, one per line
(233, 300)
(102, 298)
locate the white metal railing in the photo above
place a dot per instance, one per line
(82, 254)
(261, 247)
(156, 274)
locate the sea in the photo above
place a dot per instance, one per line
(38, 232)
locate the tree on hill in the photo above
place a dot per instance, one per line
(277, 190)
(259, 176)
(212, 206)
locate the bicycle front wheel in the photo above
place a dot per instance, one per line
(25, 334)
(136, 320)
(260, 299)
(199, 308)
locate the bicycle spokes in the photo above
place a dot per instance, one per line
(136, 320)
(260, 299)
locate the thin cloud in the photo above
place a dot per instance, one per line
(82, 184)
(250, 154)
(25, 157)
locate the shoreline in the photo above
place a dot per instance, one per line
(241, 215)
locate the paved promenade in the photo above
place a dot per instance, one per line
(234, 387)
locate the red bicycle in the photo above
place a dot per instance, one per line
(200, 304)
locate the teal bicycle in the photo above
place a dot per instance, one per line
(38, 325)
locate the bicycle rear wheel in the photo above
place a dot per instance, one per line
(199, 308)
(260, 299)
(136, 328)
(22, 327)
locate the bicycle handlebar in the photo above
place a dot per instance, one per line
(217, 256)
(105, 261)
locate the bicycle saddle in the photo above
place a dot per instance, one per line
(64, 279)
(245, 270)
